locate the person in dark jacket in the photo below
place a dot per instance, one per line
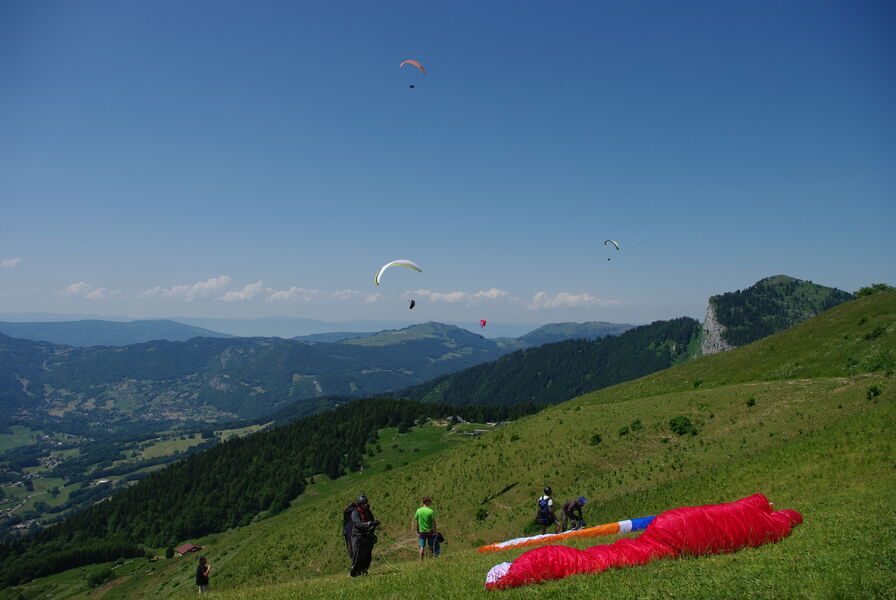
(364, 526)
(202, 572)
(572, 513)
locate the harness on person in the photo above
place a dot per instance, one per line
(347, 515)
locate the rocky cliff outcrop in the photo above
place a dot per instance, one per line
(713, 342)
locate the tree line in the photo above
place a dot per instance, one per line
(554, 373)
(226, 486)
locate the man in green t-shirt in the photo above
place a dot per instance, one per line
(425, 524)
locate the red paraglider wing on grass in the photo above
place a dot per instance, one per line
(687, 531)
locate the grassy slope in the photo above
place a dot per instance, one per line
(813, 441)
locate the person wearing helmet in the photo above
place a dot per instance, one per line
(364, 526)
(545, 516)
(572, 513)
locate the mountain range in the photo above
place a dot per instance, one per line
(97, 332)
(218, 379)
(211, 379)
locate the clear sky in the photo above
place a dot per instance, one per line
(246, 159)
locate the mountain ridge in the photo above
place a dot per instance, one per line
(100, 332)
(770, 305)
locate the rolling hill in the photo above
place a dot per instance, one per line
(558, 332)
(806, 416)
(95, 332)
(335, 336)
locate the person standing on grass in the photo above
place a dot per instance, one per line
(544, 515)
(425, 524)
(202, 573)
(364, 526)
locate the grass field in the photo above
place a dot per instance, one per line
(806, 417)
(19, 436)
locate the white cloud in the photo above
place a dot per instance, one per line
(243, 295)
(447, 297)
(345, 294)
(97, 294)
(189, 292)
(10, 263)
(295, 293)
(82, 289)
(493, 294)
(566, 300)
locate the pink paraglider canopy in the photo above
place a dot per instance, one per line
(688, 531)
(482, 322)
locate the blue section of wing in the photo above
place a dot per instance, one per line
(642, 523)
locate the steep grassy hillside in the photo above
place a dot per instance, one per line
(806, 416)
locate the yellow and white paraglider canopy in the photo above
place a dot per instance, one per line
(402, 262)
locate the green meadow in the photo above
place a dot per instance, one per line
(805, 416)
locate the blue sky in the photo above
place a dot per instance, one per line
(244, 159)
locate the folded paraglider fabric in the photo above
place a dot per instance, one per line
(687, 531)
(553, 538)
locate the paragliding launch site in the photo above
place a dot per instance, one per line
(586, 299)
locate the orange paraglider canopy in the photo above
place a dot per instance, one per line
(413, 63)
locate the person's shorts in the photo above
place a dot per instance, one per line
(546, 520)
(426, 539)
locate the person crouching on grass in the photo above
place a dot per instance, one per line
(425, 524)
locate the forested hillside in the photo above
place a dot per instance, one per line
(557, 372)
(771, 305)
(226, 486)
